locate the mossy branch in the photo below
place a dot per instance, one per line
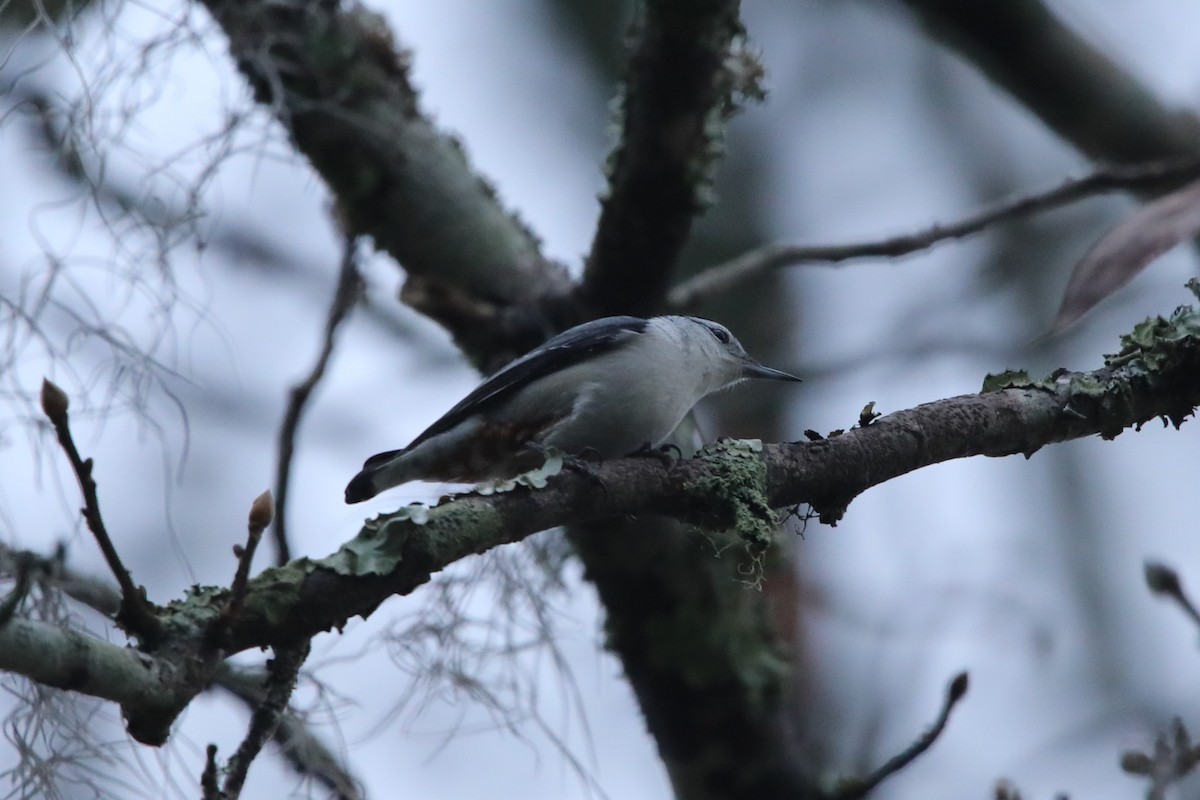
(1156, 374)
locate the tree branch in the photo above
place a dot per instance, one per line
(676, 95)
(136, 614)
(1078, 91)
(1164, 581)
(1156, 375)
(282, 672)
(143, 685)
(731, 486)
(297, 743)
(334, 76)
(718, 279)
(307, 755)
(97, 594)
(261, 512)
(720, 725)
(861, 788)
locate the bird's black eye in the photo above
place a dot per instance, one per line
(721, 334)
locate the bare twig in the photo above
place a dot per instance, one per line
(860, 788)
(349, 287)
(399, 552)
(307, 754)
(262, 510)
(423, 203)
(136, 614)
(1109, 178)
(1164, 582)
(281, 682)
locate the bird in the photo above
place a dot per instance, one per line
(606, 388)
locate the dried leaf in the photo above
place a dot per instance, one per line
(1126, 250)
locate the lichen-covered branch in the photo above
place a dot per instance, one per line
(675, 100)
(1156, 374)
(334, 76)
(697, 649)
(299, 745)
(145, 687)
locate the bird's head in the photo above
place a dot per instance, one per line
(718, 356)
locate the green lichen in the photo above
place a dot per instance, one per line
(1154, 345)
(1011, 379)
(194, 612)
(868, 415)
(1152, 357)
(276, 591)
(735, 493)
(380, 547)
(272, 595)
(457, 529)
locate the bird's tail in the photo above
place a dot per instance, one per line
(375, 476)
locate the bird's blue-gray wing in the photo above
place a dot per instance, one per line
(567, 348)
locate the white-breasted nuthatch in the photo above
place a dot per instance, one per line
(607, 388)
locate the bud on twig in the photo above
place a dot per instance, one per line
(1162, 579)
(1136, 763)
(958, 687)
(54, 401)
(262, 511)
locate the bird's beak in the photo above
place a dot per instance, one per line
(753, 369)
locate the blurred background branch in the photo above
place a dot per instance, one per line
(1078, 91)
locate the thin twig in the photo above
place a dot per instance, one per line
(262, 510)
(349, 287)
(307, 754)
(860, 788)
(136, 614)
(1109, 178)
(282, 671)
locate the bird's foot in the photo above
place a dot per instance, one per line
(668, 454)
